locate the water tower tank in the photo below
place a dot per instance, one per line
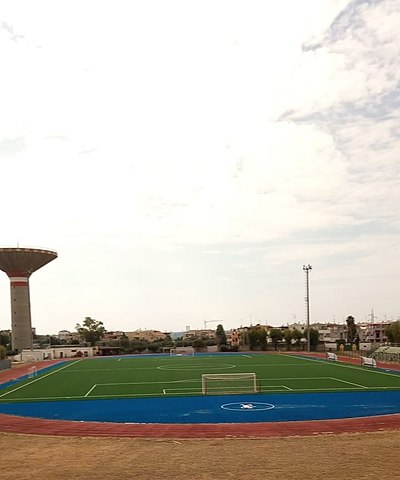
(19, 264)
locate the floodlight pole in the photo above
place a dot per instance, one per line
(307, 269)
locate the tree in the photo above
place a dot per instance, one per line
(4, 339)
(257, 337)
(3, 352)
(154, 347)
(138, 345)
(92, 330)
(392, 331)
(275, 334)
(352, 335)
(288, 336)
(198, 343)
(221, 335)
(296, 337)
(314, 338)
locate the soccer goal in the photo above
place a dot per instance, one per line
(182, 352)
(32, 372)
(228, 383)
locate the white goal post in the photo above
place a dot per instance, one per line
(32, 372)
(228, 383)
(181, 351)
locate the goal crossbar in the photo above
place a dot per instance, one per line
(181, 351)
(227, 383)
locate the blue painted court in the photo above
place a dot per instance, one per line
(157, 389)
(215, 409)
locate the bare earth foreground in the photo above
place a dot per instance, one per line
(369, 453)
(345, 456)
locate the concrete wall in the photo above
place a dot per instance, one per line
(37, 355)
(5, 364)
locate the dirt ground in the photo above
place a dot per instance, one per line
(346, 456)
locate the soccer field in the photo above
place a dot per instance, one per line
(164, 376)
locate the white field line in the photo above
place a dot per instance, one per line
(247, 356)
(151, 383)
(195, 367)
(377, 371)
(25, 399)
(40, 378)
(330, 389)
(88, 393)
(275, 387)
(77, 397)
(296, 378)
(130, 395)
(354, 367)
(350, 383)
(166, 390)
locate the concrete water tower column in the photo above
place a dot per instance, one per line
(19, 264)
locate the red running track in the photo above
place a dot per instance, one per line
(36, 426)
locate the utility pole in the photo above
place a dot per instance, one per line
(307, 269)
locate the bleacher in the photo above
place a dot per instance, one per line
(386, 353)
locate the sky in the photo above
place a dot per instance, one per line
(186, 158)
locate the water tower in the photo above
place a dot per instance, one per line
(19, 264)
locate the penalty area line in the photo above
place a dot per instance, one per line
(91, 390)
(350, 383)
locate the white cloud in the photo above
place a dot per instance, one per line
(150, 132)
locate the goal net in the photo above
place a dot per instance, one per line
(32, 372)
(182, 351)
(228, 383)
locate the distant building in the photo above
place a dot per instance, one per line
(201, 333)
(117, 335)
(68, 336)
(146, 335)
(373, 332)
(330, 332)
(56, 352)
(233, 337)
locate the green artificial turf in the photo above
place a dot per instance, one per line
(141, 377)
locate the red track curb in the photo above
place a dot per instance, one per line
(37, 426)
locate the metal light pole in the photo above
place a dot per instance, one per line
(307, 269)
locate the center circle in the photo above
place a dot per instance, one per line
(247, 406)
(180, 366)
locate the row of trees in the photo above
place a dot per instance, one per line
(92, 331)
(392, 332)
(255, 338)
(258, 338)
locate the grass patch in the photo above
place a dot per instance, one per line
(153, 376)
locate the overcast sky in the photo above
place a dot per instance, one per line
(186, 158)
